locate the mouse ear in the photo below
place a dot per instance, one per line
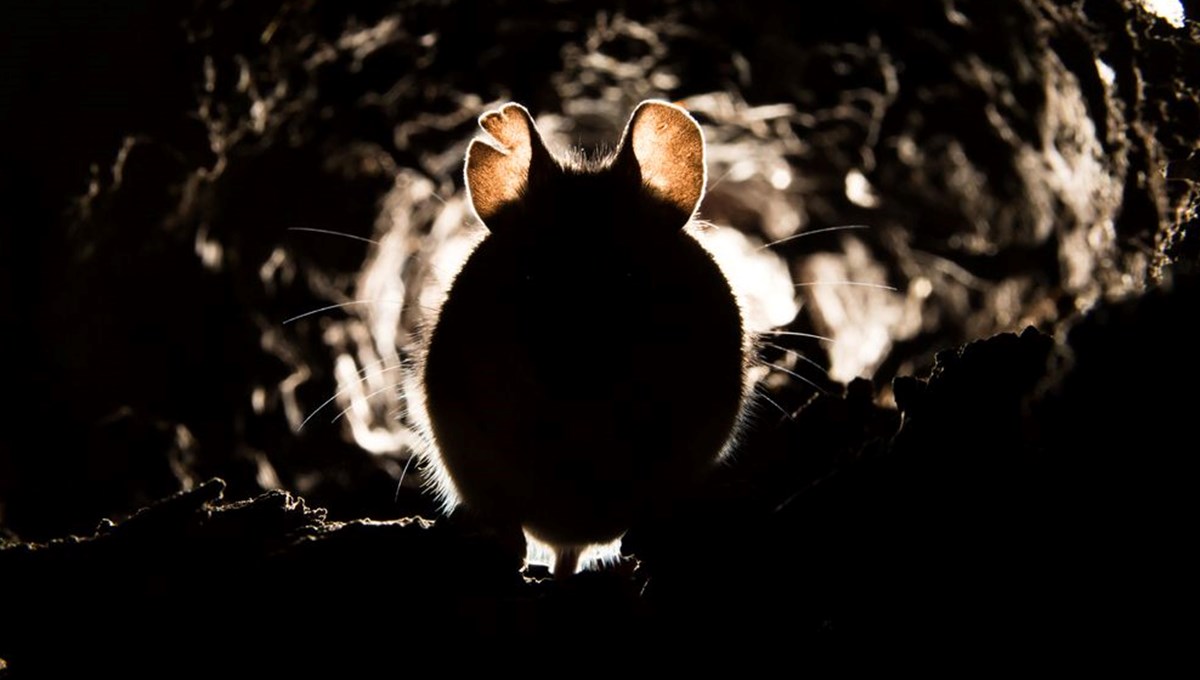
(497, 175)
(665, 145)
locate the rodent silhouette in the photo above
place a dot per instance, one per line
(588, 363)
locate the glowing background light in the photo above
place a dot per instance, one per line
(1170, 11)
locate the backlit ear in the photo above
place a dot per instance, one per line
(499, 175)
(667, 147)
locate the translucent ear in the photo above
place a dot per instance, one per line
(498, 175)
(667, 148)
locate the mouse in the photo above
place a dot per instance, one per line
(588, 363)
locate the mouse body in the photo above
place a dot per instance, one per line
(588, 363)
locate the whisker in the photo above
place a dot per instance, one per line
(719, 179)
(351, 406)
(847, 283)
(798, 355)
(799, 377)
(346, 389)
(403, 474)
(343, 304)
(798, 334)
(814, 232)
(762, 393)
(335, 233)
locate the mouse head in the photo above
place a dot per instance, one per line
(657, 173)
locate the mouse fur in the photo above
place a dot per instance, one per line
(589, 361)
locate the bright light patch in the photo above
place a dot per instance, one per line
(859, 190)
(445, 263)
(759, 278)
(1169, 10)
(849, 305)
(1107, 74)
(781, 178)
(921, 287)
(258, 400)
(369, 364)
(380, 384)
(210, 251)
(265, 474)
